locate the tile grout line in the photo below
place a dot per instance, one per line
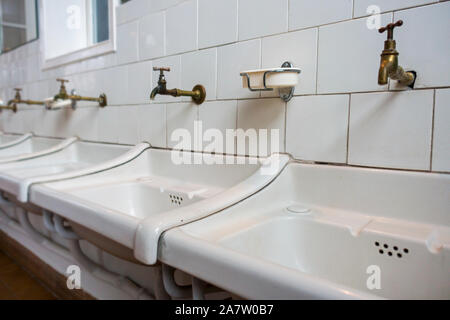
(348, 127)
(432, 129)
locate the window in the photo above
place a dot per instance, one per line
(18, 23)
(73, 30)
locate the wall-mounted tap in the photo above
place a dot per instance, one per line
(389, 67)
(63, 95)
(13, 107)
(18, 100)
(198, 93)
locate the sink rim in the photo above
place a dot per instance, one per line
(143, 235)
(19, 187)
(201, 242)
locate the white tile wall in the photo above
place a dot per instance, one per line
(231, 60)
(386, 5)
(262, 17)
(152, 36)
(425, 30)
(391, 130)
(307, 13)
(217, 22)
(316, 128)
(349, 56)
(181, 28)
(129, 130)
(441, 135)
(298, 47)
(139, 82)
(263, 114)
(127, 42)
(211, 41)
(200, 68)
(107, 123)
(152, 124)
(132, 10)
(180, 116)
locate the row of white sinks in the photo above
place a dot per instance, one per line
(265, 228)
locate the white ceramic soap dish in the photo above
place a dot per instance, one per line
(284, 78)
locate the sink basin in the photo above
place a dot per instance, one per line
(125, 210)
(27, 147)
(319, 231)
(78, 159)
(7, 138)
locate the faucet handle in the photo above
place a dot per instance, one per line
(62, 81)
(17, 90)
(390, 29)
(161, 70)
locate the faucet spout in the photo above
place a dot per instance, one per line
(154, 92)
(198, 93)
(389, 67)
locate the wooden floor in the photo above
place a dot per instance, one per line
(17, 284)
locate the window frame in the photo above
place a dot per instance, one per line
(18, 26)
(94, 50)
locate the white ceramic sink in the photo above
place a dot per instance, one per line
(28, 146)
(7, 138)
(77, 159)
(131, 205)
(315, 231)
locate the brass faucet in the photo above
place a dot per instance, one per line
(389, 67)
(12, 107)
(12, 104)
(198, 93)
(63, 95)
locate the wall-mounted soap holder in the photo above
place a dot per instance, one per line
(284, 79)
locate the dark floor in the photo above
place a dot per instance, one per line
(16, 284)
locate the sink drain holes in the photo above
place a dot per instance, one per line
(177, 200)
(389, 253)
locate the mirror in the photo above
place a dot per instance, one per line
(76, 29)
(18, 23)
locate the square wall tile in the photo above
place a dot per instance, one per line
(259, 18)
(140, 82)
(200, 67)
(307, 13)
(423, 42)
(298, 47)
(391, 129)
(361, 6)
(260, 114)
(127, 42)
(107, 124)
(132, 10)
(218, 115)
(127, 118)
(316, 128)
(217, 22)
(180, 117)
(441, 135)
(181, 28)
(349, 56)
(152, 124)
(83, 123)
(173, 77)
(113, 82)
(231, 61)
(152, 36)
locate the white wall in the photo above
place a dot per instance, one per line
(339, 115)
